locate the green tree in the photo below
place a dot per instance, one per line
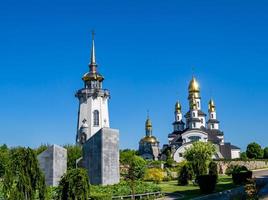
(265, 153)
(185, 174)
(23, 178)
(213, 169)
(41, 148)
(3, 159)
(136, 171)
(125, 154)
(170, 161)
(254, 151)
(74, 152)
(243, 156)
(199, 155)
(74, 185)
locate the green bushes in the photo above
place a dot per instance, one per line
(100, 197)
(154, 174)
(213, 169)
(185, 174)
(123, 189)
(207, 183)
(240, 174)
(74, 185)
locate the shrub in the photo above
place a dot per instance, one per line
(198, 155)
(100, 197)
(240, 174)
(185, 174)
(213, 169)
(243, 156)
(74, 185)
(254, 150)
(207, 183)
(241, 177)
(154, 174)
(265, 153)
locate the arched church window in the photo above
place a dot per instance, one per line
(96, 118)
(83, 138)
(194, 138)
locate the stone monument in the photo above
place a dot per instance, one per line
(53, 163)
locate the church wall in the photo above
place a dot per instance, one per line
(251, 165)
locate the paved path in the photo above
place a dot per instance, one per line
(171, 196)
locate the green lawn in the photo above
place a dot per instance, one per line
(191, 191)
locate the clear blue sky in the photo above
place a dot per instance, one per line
(145, 50)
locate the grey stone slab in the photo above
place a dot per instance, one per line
(53, 163)
(101, 157)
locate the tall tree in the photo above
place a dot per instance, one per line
(199, 155)
(23, 178)
(254, 151)
(74, 185)
(3, 159)
(136, 171)
(265, 153)
(74, 152)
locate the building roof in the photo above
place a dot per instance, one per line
(200, 113)
(215, 121)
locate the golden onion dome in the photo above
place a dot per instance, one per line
(211, 106)
(149, 139)
(193, 86)
(91, 76)
(178, 107)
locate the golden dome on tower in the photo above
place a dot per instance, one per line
(178, 107)
(149, 139)
(211, 106)
(193, 86)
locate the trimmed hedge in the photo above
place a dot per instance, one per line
(207, 183)
(241, 177)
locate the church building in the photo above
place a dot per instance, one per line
(196, 128)
(149, 145)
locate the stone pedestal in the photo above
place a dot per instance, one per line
(53, 163)
(101, 157)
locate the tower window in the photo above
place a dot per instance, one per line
(193, 114)
(212, 116)
(212, 126)
(96, 118)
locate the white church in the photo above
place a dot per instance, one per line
(194, 127)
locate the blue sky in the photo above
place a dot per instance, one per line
(146, 51)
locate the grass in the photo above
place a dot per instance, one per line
(190, 191)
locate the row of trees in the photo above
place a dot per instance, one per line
(255, 151)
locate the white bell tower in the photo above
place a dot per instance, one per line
(93, 102)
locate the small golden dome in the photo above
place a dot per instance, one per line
(193, 86)
(149, 139)
(91, 76)
(178, 107)
(211, 106)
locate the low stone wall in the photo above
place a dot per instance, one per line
(252, 164)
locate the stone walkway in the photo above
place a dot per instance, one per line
(171, 196)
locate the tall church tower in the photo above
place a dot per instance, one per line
(93, 102)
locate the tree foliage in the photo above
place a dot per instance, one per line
(243, 156)
(265, 153)
(74, 185)
(213, 169)
(23, 178)
(185, 174)
(154, 174)
(74, 152)
(3, 159)
(254, 150)
(199, 155)
(125, 154)
(41, 148)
